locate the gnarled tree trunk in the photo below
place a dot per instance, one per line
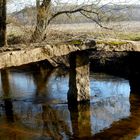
(43, 13)
(3, 40)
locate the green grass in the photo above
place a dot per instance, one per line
(130, 36)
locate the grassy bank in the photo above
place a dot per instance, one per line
(63, 32)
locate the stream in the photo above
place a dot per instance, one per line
(33, 106)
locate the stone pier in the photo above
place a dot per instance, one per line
(79, 84)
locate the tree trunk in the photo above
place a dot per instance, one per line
(43, 13)
(3, 40)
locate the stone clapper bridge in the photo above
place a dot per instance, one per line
(79, 54)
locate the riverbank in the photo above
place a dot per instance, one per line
(128, 31)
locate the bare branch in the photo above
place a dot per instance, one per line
(81, 9)
(84, 11)
(97, 22)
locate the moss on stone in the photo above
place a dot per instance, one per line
(116, 43)
(75, 42)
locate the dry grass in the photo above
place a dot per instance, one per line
(19, 34)
(64, 32)
(118, 30)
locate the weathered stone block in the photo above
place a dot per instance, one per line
(79, 84)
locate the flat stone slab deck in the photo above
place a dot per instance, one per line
(20, 54)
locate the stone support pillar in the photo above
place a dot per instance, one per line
(79, 84)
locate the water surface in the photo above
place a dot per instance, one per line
(33, 105)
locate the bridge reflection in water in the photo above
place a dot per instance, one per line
(33, 105)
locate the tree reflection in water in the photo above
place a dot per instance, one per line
(8, 106)
(41, 118)
(53, 126)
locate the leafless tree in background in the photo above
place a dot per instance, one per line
(3, 40)
(49, 11)
(46, 14)
(43, 13)
(94, 10)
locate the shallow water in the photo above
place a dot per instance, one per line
(33, 106)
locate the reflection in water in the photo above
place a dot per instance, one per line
(128, 128)
(106, 112)
(39, 110)
(53, 126)
(41, 79)
(8, 106)
(80, 120)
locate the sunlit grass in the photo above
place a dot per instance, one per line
(114, 43)
(130, 36)
(64, 32)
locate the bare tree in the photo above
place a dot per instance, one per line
(45, 14)
(3, 40)
(48, 10)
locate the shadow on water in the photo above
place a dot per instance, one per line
(34, 106)
(80, 120)
(8, 106)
